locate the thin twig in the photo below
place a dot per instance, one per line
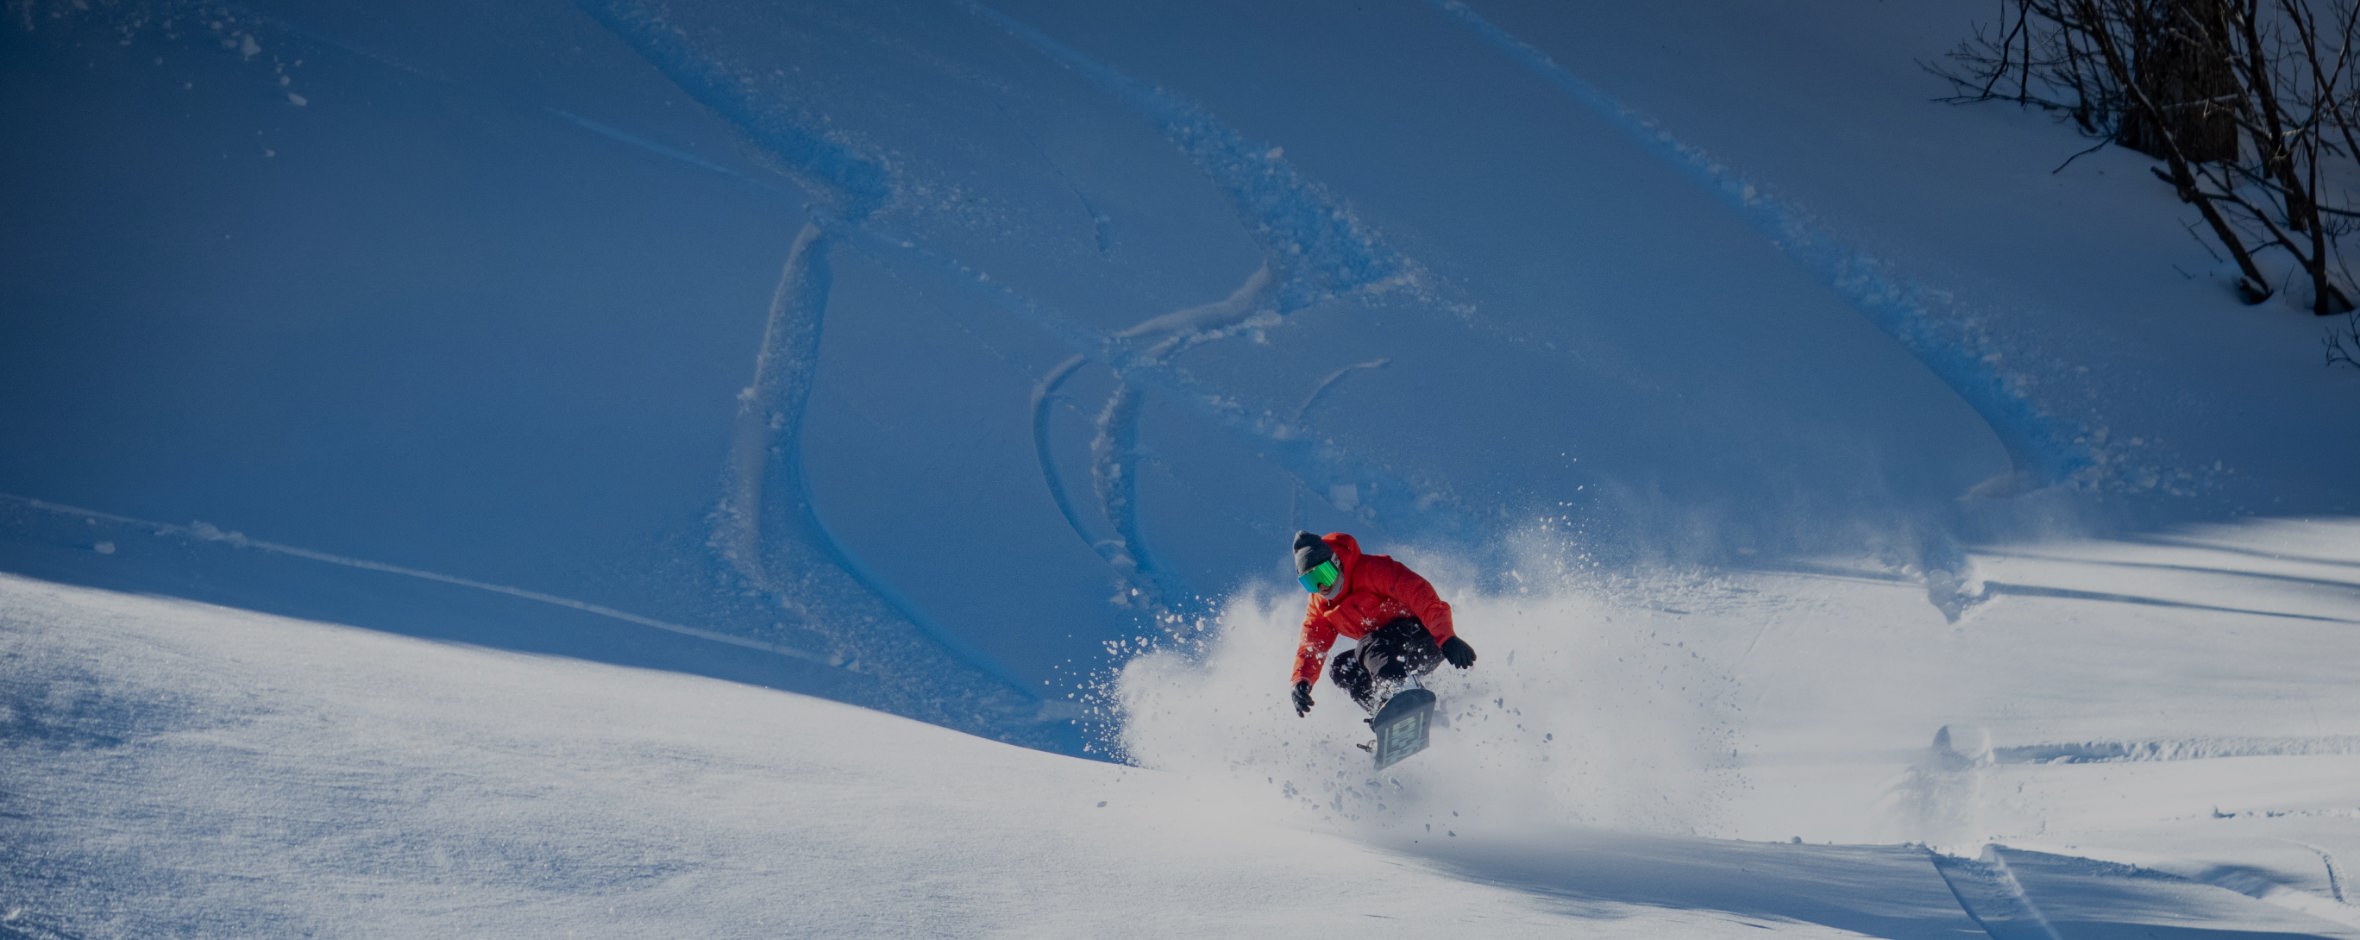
(2094, 148)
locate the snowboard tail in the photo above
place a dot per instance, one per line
(1403, 725)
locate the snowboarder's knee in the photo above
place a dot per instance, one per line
(1346, 672)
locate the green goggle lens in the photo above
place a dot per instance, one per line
(1320, 577)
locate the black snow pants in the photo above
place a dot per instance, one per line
(1397, 649)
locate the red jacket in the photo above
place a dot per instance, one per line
(1376, 590)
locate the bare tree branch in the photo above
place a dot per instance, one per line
(2343, 346)
(2252, 107)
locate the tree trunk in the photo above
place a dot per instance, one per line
(2253, 287)
(2180, 57)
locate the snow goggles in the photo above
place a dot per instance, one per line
(1321, 577)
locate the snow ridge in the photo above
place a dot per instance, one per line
(770, 415)
(1924, 320)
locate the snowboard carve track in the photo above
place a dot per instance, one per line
(767, 526)
(1046, 393)
(2331, 906)
(2098, 898)
(1992, 897)
(1283, 443)
(1313, 250)
(2335, 876)
(1115, 449)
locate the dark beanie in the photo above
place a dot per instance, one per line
(1310, 551)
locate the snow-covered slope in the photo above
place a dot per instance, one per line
(390, 787)
(642, 378)
(916, 333)
(180, 769)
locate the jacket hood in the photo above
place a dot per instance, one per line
(1347, 551)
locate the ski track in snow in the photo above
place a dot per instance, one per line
(752, 533)
(770, 529)
(848, 184)
(771, 409)
(2273, 891)
(767, 526)
(2335, 878)
(1992, 897)
(203, 532)
(1046, 394)
(1926, 321)
(2091, 897)
(1313, 250)
(1282, 442)
(1114, 445)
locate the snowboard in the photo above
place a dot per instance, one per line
(1402, 725)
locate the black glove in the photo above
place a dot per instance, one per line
(1302, 698)
(1458, 652)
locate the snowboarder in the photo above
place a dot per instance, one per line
(1403, 627)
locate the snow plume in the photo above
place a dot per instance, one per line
(1938, 799)
(1586, 707)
